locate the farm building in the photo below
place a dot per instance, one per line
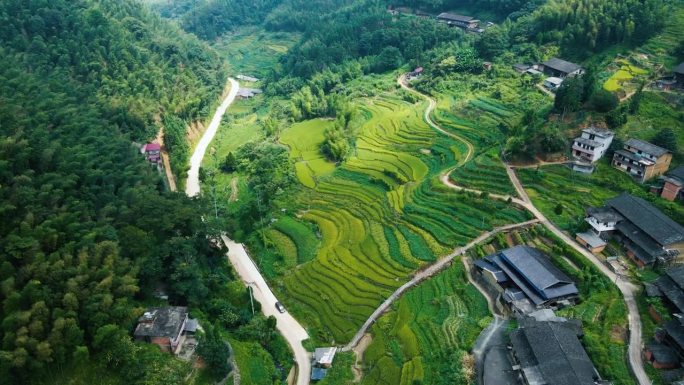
(648, 235)
(591, 241)
(322, 361)
(415, 73)
(668, 350)
(550, 352)
(152, 152)
(670, 186)
(526, 279)
(560, 68)
(661, 356)
(247, 93)
(642, 160)
(454, 20)
(552, 83)
(247, 78)
(165, 327)
(521, 68)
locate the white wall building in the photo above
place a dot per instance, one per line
(592, 144)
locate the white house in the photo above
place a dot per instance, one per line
(592, 144)
(553, 83)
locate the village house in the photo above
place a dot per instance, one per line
(526, 279)
(648, 235)
(322, 361)
(560, 68)
(246, 78)
(670, 186)
(454, 20)
(592, 144)
(415, 73)
(165, 327)
(553, 83)
(152, 152)
(642, 160)
(550, 352)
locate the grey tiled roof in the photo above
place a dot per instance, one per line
(677, 173)
(534, 274)
(604, 214)
(648, 219)
(554, 351)
(165, 322)
(454, 17)
(561, 65)
(680, 68)
(671, 291)
(646, 147)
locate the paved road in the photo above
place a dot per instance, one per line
(291, 330)
(628, 290)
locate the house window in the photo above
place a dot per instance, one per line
(619, 164)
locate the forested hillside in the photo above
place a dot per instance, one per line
(87, 227)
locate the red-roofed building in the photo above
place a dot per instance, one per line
(152, 152)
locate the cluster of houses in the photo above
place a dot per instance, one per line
(666, 350)
(649, 236)
(556, 70)
(544, 348)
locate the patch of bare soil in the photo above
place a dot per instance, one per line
(358, 350)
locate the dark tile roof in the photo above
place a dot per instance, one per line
(662, 353)
(318, 374)
(534, 274)
(454, 17)
(679, 69)
(675, 330)
(677, 173)
(648, 219)
(161, 322)
(552, 350)
(646, 147)
(645, 248)
(671, 291)
(677, 275)
(561, 65)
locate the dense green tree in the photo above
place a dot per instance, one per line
(666, 138)
(215, 352)
(569, 95)
(604, 101)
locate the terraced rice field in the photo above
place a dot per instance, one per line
(623, 76)
(304, 140)
(379, 216)
(427, 334)
(485, 172)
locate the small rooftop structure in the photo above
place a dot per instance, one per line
(318, 374)
(247, 78)
(553, 83)
(452, 19)
(679, 69)
(591, 241)
(324, 356)
(248, 92)
(152, 152)
(521, 67)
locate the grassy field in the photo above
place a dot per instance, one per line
(253, 51)
(378, 217)
(304, 140)
(256, 365)
(557, 184)
(485, 172)
(601, 309)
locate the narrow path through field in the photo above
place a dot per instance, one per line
(233, 190)
(246, 269)
(425, 274)
(628, 290)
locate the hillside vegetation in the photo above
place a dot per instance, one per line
(88, 229)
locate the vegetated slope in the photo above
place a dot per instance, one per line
(145, 69)
(85, 220)
(381, 215)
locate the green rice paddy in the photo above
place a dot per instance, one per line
(380, 215)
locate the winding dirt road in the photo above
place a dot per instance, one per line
(246, 269)
(628, 290)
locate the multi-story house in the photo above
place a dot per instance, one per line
(642, 160)
(592, 144)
